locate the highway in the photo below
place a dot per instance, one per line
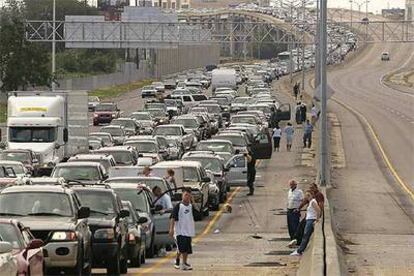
(374, 210)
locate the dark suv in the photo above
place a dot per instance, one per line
(109, 227)
(105, 113)
(54, 214)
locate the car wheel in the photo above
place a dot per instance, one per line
(113, 267)
(136, 261)
(151, 250)
(123, 266)
(206, 212)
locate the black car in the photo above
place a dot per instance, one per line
(109, 226)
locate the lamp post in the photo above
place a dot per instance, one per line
(54, 47)
(351, 1)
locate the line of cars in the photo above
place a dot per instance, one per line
(100, 201)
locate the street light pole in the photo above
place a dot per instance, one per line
(350, 1)
(54, 47)
(323, 87)
(366, 8)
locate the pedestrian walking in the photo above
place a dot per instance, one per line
(307, 134)
(277, 135)
(314, 115)
(301, 228)
(183, 229)
(303, 110)
(313, 213)
(273, 118)
(298, 117)
(251, 172)
(289, 131)
(296, 90)
(295, 197)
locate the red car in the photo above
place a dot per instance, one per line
(104, 113)
(27, 250)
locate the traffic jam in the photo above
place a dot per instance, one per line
(69, 193)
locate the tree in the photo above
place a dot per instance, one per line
(22, 64)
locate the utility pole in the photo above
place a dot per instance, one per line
(317, 49)
(323, 87)
(303, 44)
(351, 1)
(54, 47)
(366, 8)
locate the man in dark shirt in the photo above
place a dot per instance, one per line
(251, 172)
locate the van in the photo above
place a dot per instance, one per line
(190, 100)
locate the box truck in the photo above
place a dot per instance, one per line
(54, 125)
(223, 78)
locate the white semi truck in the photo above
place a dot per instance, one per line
(54, 125)
(223, 78)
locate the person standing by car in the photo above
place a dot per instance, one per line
(307, 134)
(170, 178)
(277, 135)
(298, 117)
(147, 171)
(273, 118)
(295, 197)
(313, 213)
(182, 227)
(303, 110)
(163, 200)
(251, 172)
(314, 115)
(289, 131)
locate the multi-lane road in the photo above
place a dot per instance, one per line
(373, 198)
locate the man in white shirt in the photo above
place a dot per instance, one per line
(182, 225)
(162, 199)
(295, 197)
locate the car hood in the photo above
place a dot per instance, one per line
(48, 223)
(44, 149)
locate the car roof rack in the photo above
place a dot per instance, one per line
(71, 183)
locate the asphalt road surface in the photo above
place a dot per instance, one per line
(374, 211)
(252, 239)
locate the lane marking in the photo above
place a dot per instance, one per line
(385, 157)
(206, 230)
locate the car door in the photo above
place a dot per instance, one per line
(162, 224)
(283, 113)
(262, 146)
(237, 174)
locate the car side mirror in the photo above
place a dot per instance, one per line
(83, 212)
(142, 220)
(35, 244)
(206, 179)
(124, 213)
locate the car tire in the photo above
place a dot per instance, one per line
(136, 261)
(206, 212)
(113, 267)
(151, 251)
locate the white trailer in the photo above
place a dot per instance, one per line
(224, 78)
(52, 124)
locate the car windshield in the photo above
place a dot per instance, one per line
(240, 100)
(170, 103)
(8, 233)
(105, 107)
(124, 123)
(99, 202)
(114, 131)
(121, 157)
(141, 116)
(143, 146)
(237, 141)
(15, 156)
(215, 147)
(35, 203)
(32, 134)
(215, 109)
(211, 164)
(190, 174)
(77, 173)
(243, 120)
(169, 131)
(157, 112)
(137, 199)
(17, 168)
(187, 123)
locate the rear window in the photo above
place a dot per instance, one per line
(199, 98)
